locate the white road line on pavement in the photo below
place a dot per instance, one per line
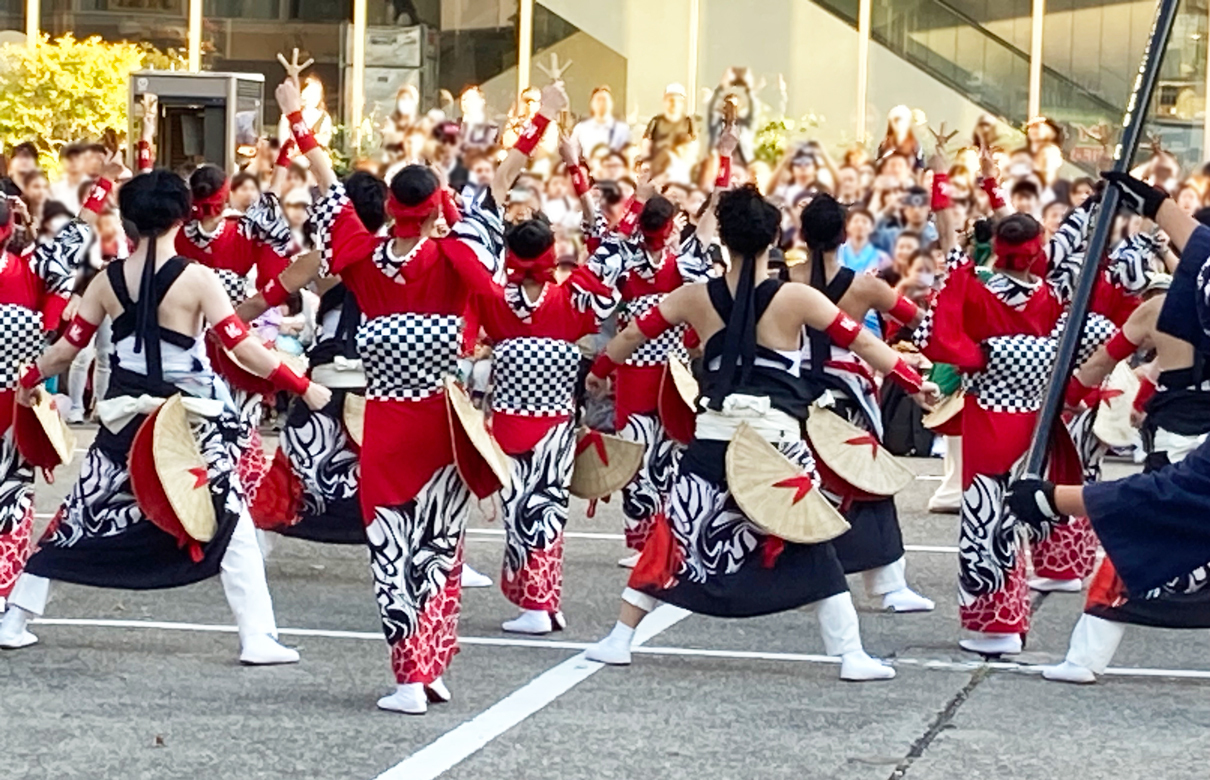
(643, 633)
(455, 746)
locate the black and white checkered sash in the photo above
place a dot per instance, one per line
(670, 342)
(21, 341)
(408, 356)
(535, 377)
(235, 285)
(1018, 370)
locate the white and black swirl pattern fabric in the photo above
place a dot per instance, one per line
(535, 503)
(16, 485)
(644, 496)
(1065, 252)
(56, 263)
(265, 223)
(988, 544)
(482, 229)
(1130, 262)
(413, 550)
(317, 447)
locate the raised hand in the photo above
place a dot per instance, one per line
(568, 153)
(987, 163)
(554, 99)
(289, 99)
(150, 105)
(292, 66)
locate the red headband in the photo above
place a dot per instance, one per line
(204, 208)
(1026, 256)
(540, 268)
(656, 239)
(409, 219)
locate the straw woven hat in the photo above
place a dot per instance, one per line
(474, 423)
(604, 464)
(174, 489)
(355, 417)
(945, 411)
(677, 401)
(41, 436)
(776, 495)
(682, 379)
(1112, 424)
(855, 455)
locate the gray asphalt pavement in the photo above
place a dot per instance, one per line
(708, 699)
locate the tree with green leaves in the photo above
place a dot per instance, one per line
(67, 90)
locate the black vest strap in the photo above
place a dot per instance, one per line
(126, 324)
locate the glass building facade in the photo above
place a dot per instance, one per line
(953, 59)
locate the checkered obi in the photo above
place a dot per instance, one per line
(1018, 370)
(408, 356)
(535, 377)
(235, 285)
(22, 338)
(670, 342)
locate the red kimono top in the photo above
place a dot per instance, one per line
(259, 239)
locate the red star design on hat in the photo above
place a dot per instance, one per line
(801, 484)
(866, 438)
(1107, 396)
(199, 473)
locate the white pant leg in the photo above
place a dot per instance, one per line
(639, 599)
(1094, 640)
(885, 579)
(104, 345)
(243, 578)
(30, 594)
(949, 492)
(838, 624)
(77, 376)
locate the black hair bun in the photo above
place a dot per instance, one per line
(155, 201)
(529, 239)
(747, 223)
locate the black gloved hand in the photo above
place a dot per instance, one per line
(1138, 196)
(1032, 501)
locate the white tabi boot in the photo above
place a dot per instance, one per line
(1048, 585)
(242, 573)
(536, 622)
(630, 561)
(473, 579)
(842, 637)
(615, 648)
(992, 644)
(28, 599)
(408, 698)
(1094, 640)
(13, 634)
(437, 692)
(890, 583)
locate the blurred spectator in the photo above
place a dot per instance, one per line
(245, 191)
(735, 88)
(315, 112)
(909, 211)
(900, 137)
(22, 161)
(474, 128)
(601, 128)
(673, 123)
(67, 189)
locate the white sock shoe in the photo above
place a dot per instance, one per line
(613, 649)
(906, 600)
(408, 698)
(1069, 673)
(13, 634)
(535, 621)
(1048, 585)
(992, 644)
(944, 507)
(630, 561)
(264, 650)
(473, 579)
(857, 666)
(437, 692)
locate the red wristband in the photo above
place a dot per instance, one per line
(231, 331)
(1077, 391)
(723, 179)
(843, 331)
(302, 133)
(80, 332)
(994, 196)
(275, 293)
(145, 160)
(904, 311)
(1120, 347)
(283, 378)
(283, 153)
(1147, 389)
(98, 196)
(941, 192)
(630, 220)
(652, 324)
(31, 376)
(579, 180)
(532, 134)
(906, 377)
(603, 366)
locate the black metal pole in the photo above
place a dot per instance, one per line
(1132, 132)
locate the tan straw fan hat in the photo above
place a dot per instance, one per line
(945, 411)
(182, 471)
(41, 436)
(474, 423)
(682, 378)
(776, 495)
(604, 464)
(855, 455)
(1112, 424)
(355, 417)
(677, 401)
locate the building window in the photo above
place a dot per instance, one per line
(243, 9)
(321, 10)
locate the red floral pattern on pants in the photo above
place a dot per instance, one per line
(1069, 553)
(424, 656)
(14, 551)
(539, 584)
(253, 465)
(1005, 611)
